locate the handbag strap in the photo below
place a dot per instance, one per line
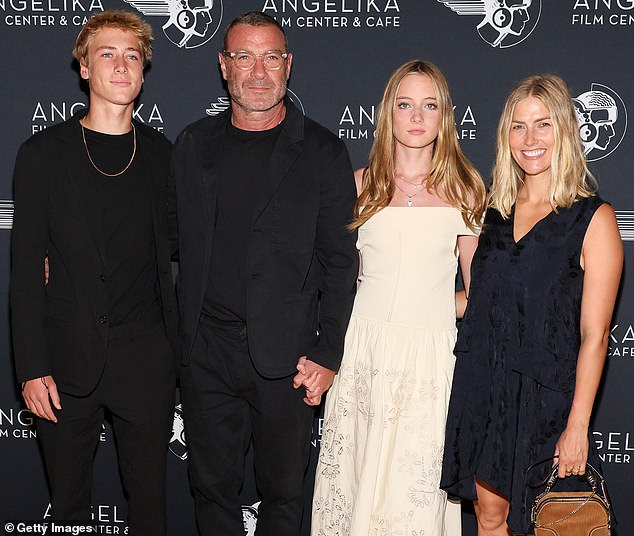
(551, 478)
(592, 476)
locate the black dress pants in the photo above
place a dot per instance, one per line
(138, 388)
(225, 404)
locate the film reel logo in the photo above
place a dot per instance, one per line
(505, 23)
(190, 23)
(602, 118)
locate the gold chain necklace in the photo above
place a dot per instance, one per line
(425, 175)
(410, 201)
(410, 198)
(83, 135)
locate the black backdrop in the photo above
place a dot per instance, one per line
(344, 52)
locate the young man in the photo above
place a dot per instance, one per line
(267, 279)
(90, 197)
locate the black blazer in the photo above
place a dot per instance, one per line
(302, 260)
(59, 328)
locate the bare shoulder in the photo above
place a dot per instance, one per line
(603, 222)
(358, 179)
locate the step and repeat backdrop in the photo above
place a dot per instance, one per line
(344, 51)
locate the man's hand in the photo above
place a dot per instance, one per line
(315, 378)
(38, 394)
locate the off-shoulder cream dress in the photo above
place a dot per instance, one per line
(381, 450)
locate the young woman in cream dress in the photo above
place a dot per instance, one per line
(419, 207)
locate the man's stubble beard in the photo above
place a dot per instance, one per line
(248, 107)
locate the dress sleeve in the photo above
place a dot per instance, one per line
(465, 230)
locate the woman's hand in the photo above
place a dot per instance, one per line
(572, 450)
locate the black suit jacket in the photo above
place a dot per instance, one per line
(301, 258)
(59, 328)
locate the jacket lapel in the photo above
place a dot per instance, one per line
(286, 152)
(149, 176)
(75, 161)
(209, 145)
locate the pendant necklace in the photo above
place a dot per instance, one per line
(410, 197)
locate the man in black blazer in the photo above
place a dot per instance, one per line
(266, 282)
(90, 196)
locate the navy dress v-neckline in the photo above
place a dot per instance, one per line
(527, 233)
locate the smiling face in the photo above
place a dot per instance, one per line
(113, 68)
(255, 90)
(532, 137)
(415, 117)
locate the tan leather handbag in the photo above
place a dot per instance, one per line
(573, 513)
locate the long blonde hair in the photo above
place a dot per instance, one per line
(452, 176)
(570, 177)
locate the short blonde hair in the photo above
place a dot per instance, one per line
(123, 20)
(570, 177)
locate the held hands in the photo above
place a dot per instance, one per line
(572, 449)
(315, 378)
(38, 394)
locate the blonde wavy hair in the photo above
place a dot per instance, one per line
(122, 20)
(453, 178)
(570, 177)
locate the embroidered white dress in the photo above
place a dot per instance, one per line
(381, 450)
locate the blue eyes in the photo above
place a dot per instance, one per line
(109, 55)
(407, 106)
(522, 127)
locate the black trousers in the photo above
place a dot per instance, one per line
(138, 389)
(225, 404)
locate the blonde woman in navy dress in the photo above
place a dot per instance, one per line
(418, 212)
(533, 342)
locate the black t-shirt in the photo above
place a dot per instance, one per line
(241, 170)
(125, 206)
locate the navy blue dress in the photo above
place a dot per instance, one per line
(516, 356)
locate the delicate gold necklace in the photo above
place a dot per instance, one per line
(425, 175)
(83, 135)
(410, 198)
